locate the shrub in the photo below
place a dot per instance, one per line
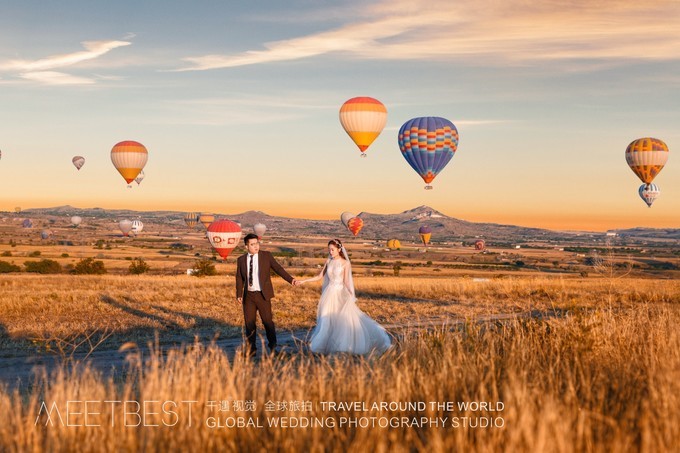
(89, 266)
(203, 268)
(64, 255)
(6, 253)
(138, 266)
(43, 267)
(34, 253)
(6, 267)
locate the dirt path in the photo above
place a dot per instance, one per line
(23, 371)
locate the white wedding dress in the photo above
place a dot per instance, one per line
(340, 325)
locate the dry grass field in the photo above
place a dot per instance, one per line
(599, 371)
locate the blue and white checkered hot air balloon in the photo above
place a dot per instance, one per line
(428, 144)
(649, 193)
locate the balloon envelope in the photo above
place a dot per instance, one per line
(191, 218)
(129, 158)
(649, 193)
(45, 234)
(78, 162)
(76, 220)
(345, 216)
(224, 236)
(125, 226)
(393, 244)
(137, 226)
(428, 144)
(425, 234)
(355, 225)
(27, 223)
(260, 229)
(140, 177)
(363, 118)
(480, 244)
(206, 219)
(646, 157)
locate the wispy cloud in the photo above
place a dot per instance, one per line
(41, 70)
(489, 32)
(56, 78)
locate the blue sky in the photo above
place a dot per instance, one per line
(238, 105)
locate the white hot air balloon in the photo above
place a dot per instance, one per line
(78, 161)
(345, 217)
(140, 177)
(137, 226)
(649, 193)
(125, 226)
(76, 220)
(260, 229)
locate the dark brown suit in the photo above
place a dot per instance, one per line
(254, 301)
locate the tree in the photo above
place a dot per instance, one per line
(138, 266)
(204, 268)
(89, 266)
(43, 267)
(6, 267)
(396, 268)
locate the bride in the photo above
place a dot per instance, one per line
(340, 325)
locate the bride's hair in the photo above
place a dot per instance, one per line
(338, 245)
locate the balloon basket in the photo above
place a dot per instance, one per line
(428, 187)
(364, 154)
(129, 186)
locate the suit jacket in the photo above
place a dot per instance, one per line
(267, 263)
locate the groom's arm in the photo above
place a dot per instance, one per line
(239, 282)
(279, 269)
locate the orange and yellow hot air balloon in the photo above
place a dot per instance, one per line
(646, 157)
(129, 158)
(363, 119)
(355, 225)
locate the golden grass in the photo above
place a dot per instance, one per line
(601, 380)
(133, 307)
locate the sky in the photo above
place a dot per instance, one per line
(237, 104)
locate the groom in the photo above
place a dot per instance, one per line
(254, 290)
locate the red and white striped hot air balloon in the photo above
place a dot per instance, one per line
(129, 158)
(224, 236)
(363, 118)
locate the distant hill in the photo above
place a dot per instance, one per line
(403, 225)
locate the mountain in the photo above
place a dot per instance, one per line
(403, 225)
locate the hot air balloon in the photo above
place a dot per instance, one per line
(78, 162)
(363, 119)
(45, 234)
(76, 220)
(355, 225)
(129, 158)
(206, 220)
(27, 223)
(425, 233)
(649, 193)
(480, 244)
(260, 229)
(393, 244)
(137, 226)
(191, 218)
(646, 157)
(345, 216)
(17, 209)
(224, 236)
(140, 177)
(125, 226)
(428, 144)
